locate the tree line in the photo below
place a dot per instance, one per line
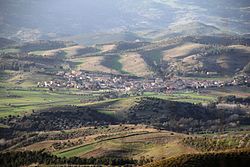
(213, 159)
(14, 159)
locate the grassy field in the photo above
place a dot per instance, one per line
(69, 51)
(19, 102)
(77, 151)
(190, 97)
(137, 144)
(9, 50)
(118, 141)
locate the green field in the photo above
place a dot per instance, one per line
(9, 50)
(77, 151)
(18, 102)
(137, 145)
(189, 97)
(22, 101)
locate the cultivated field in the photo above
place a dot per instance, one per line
(134, 141)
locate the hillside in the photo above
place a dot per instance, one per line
(229, 159)
(192, 56)
(188, 29)
(163, 114)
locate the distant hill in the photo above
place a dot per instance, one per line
(6, 42)
(188, 29)
(100, 38)
(40, 19)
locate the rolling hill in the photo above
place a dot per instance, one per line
(125, 83)
(167, 18)
(191, 56)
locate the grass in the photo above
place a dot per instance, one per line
(189, 97)
(66, 52)
(75, 152)
(19, 102)
(9, 50)
(24, 101)
(83, 149)
(134, 145)
(117, 107)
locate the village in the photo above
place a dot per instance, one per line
(84, 80)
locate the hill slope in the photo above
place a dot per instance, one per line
(228, 159)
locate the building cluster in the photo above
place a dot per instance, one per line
(99, 81)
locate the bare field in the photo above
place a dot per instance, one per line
(183, 50)
(93, 63)
(108, 47)
(134, 64)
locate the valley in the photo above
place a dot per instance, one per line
(125, 83)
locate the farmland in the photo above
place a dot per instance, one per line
(129, 102)
(24, 101)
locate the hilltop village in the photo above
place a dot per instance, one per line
(83, 80)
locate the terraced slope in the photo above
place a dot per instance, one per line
(134, 144)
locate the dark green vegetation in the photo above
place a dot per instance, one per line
(27, 158)
(18, 102)
(169, 115)
(228, 159)
(112, 62)
(234, 100)
(219, 142)
(61, 118)
(42, 45)
(87, 50)
(154, 59)
(28, 63)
